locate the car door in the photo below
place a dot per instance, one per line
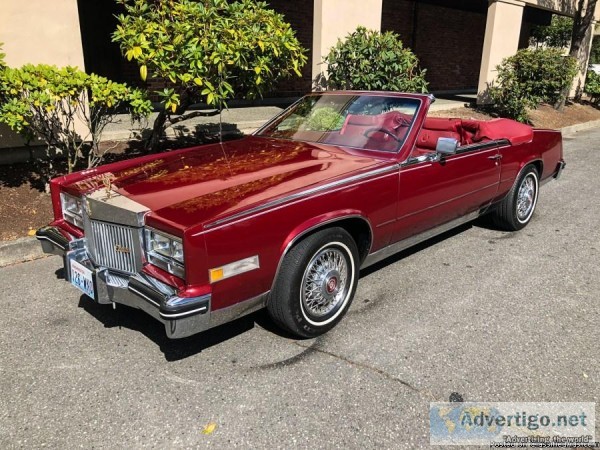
(435, 192)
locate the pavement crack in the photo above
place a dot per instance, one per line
(426, 393)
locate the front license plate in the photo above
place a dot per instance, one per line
(82, 278)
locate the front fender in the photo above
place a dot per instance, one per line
(317, 222)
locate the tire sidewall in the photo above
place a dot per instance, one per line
(529, 172)
(305, 324)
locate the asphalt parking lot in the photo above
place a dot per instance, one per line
(490, 315)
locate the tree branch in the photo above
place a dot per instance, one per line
(191, 115)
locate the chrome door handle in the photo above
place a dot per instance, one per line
(495, 157)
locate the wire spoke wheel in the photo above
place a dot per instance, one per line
(516, 209)
(325, 282)
(526, 198)
(316, 283)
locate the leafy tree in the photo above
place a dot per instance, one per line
(529, 78)
(209, 51)
(65, 107)
(583, 29)
(370, 60)
(557, 34)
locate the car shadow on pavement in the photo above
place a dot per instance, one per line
(173, 349)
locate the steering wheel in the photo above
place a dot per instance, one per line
(368, 133)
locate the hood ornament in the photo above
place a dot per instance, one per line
(107, 180)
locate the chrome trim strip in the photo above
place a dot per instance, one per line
(302, 194)
(186, 313)
(385, 252)
(39, 238)
(144, 296)
(488, 145)
(465, 150)
(164, 233)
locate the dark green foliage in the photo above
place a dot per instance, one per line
(557, 34)
(595, 52)
(529, 78)
(369, 60)
(592, 86)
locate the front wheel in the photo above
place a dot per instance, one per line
(316, 283)
(515, 211)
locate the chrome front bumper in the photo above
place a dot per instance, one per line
(182, 316)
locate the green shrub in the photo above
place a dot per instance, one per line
(529, 78)
(369, 60)
(592, 86)
(65, 107)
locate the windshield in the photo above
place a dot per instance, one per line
(370, 122)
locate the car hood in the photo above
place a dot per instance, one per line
(208, 182)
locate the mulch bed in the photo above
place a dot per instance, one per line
(25, 206)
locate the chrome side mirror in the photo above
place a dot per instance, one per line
(446, 146)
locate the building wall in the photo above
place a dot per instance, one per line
(39, 32)
(448, 41)
(300, 16)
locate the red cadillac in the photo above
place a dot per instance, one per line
(287, 217)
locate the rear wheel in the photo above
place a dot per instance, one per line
(316, 283)
(516, 210)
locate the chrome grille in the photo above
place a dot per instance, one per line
(108, 245)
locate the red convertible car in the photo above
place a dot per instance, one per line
(286, 218)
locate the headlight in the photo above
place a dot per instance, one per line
(71, 209)
(164, 251)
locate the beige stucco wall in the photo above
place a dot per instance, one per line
(502, 33)
(334, 19)
(39, 31)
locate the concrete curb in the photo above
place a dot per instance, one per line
(572, 129)
(28, 248)
(20, 250)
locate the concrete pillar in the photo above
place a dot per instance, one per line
(39, 32)
(502, 32)
(334, 19)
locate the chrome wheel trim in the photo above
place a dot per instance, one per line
(527, 197)
(327, 283)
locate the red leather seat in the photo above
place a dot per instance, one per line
(365, 130)
(435, 128)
